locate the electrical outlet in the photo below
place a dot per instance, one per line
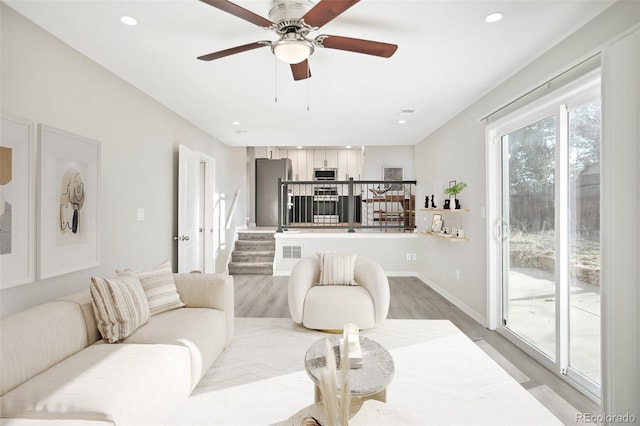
(408, 256)
(414, 256)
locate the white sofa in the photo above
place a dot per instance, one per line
(55, 368)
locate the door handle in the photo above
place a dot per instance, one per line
(497, 230)
(501, 230)
(506, 230)
(181, 238)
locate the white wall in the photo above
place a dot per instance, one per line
(388, 249)
(621, 226)
(46, 81)
(457, 151)
(377, 156)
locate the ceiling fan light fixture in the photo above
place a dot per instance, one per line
(292, 49)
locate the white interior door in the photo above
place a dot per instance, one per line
(189, 211)
(198, 234)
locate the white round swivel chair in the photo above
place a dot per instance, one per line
(329, 307)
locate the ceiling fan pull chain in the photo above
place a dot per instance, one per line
(308, 87)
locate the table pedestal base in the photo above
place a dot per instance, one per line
(379, 396)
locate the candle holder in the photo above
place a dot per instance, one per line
(351, 333)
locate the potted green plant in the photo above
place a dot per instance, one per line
(452, 191)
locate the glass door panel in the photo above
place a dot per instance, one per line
(528, 234)
(584, 240)
(548, 231)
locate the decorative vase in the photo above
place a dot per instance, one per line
(452, 202)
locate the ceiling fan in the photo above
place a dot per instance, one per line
(292, 21)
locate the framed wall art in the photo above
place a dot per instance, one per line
(393, 173)
(17, 201)
(69, 193)
(437, 218)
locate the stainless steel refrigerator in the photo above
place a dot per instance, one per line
(267, 174)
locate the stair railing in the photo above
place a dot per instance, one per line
(380, 205)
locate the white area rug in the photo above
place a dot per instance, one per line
(441, 378)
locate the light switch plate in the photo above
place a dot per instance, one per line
(140, 213)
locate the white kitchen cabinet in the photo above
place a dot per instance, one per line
(327, 158)
(343, 164)
(331, 158)
(303, 172)
(354, 163)
(309, 159)
(348, 162)
(318, 157)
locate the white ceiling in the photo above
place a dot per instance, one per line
(447, 58)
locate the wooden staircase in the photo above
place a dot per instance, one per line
(254, 253)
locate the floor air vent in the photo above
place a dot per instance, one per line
(292, 252)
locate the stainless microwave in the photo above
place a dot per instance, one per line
(325, 174)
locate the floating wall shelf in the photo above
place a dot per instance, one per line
(451, 239)
(445, 210)
(441, 236)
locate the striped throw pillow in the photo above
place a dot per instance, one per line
(159, 286)
(119, 305)
(337, 269)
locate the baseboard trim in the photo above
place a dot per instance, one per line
(457, 302)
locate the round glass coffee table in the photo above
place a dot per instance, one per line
(368, 382)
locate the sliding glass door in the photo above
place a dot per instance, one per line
(529, 282)
(548, 233)
(584, 240)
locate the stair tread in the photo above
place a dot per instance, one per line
(255, 252)
(256, 242)
(256, 236)
(245, 268)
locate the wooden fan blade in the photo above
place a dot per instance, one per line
(240, 12)
(357, 45)
(233, 51)
(301, 70)
(326, 10)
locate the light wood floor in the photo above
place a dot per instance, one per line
(266, 297)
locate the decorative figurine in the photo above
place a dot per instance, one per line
(426, 202)
(433, 204)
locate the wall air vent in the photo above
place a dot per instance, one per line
(292, 252)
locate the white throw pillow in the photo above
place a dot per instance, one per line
(337, 269)
(159, 286)
(119, 305)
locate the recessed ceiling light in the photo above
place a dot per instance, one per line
(236, 123)
(128, 20)
(348, 146)
(493, 17)
(299, 147)
(402, 121)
